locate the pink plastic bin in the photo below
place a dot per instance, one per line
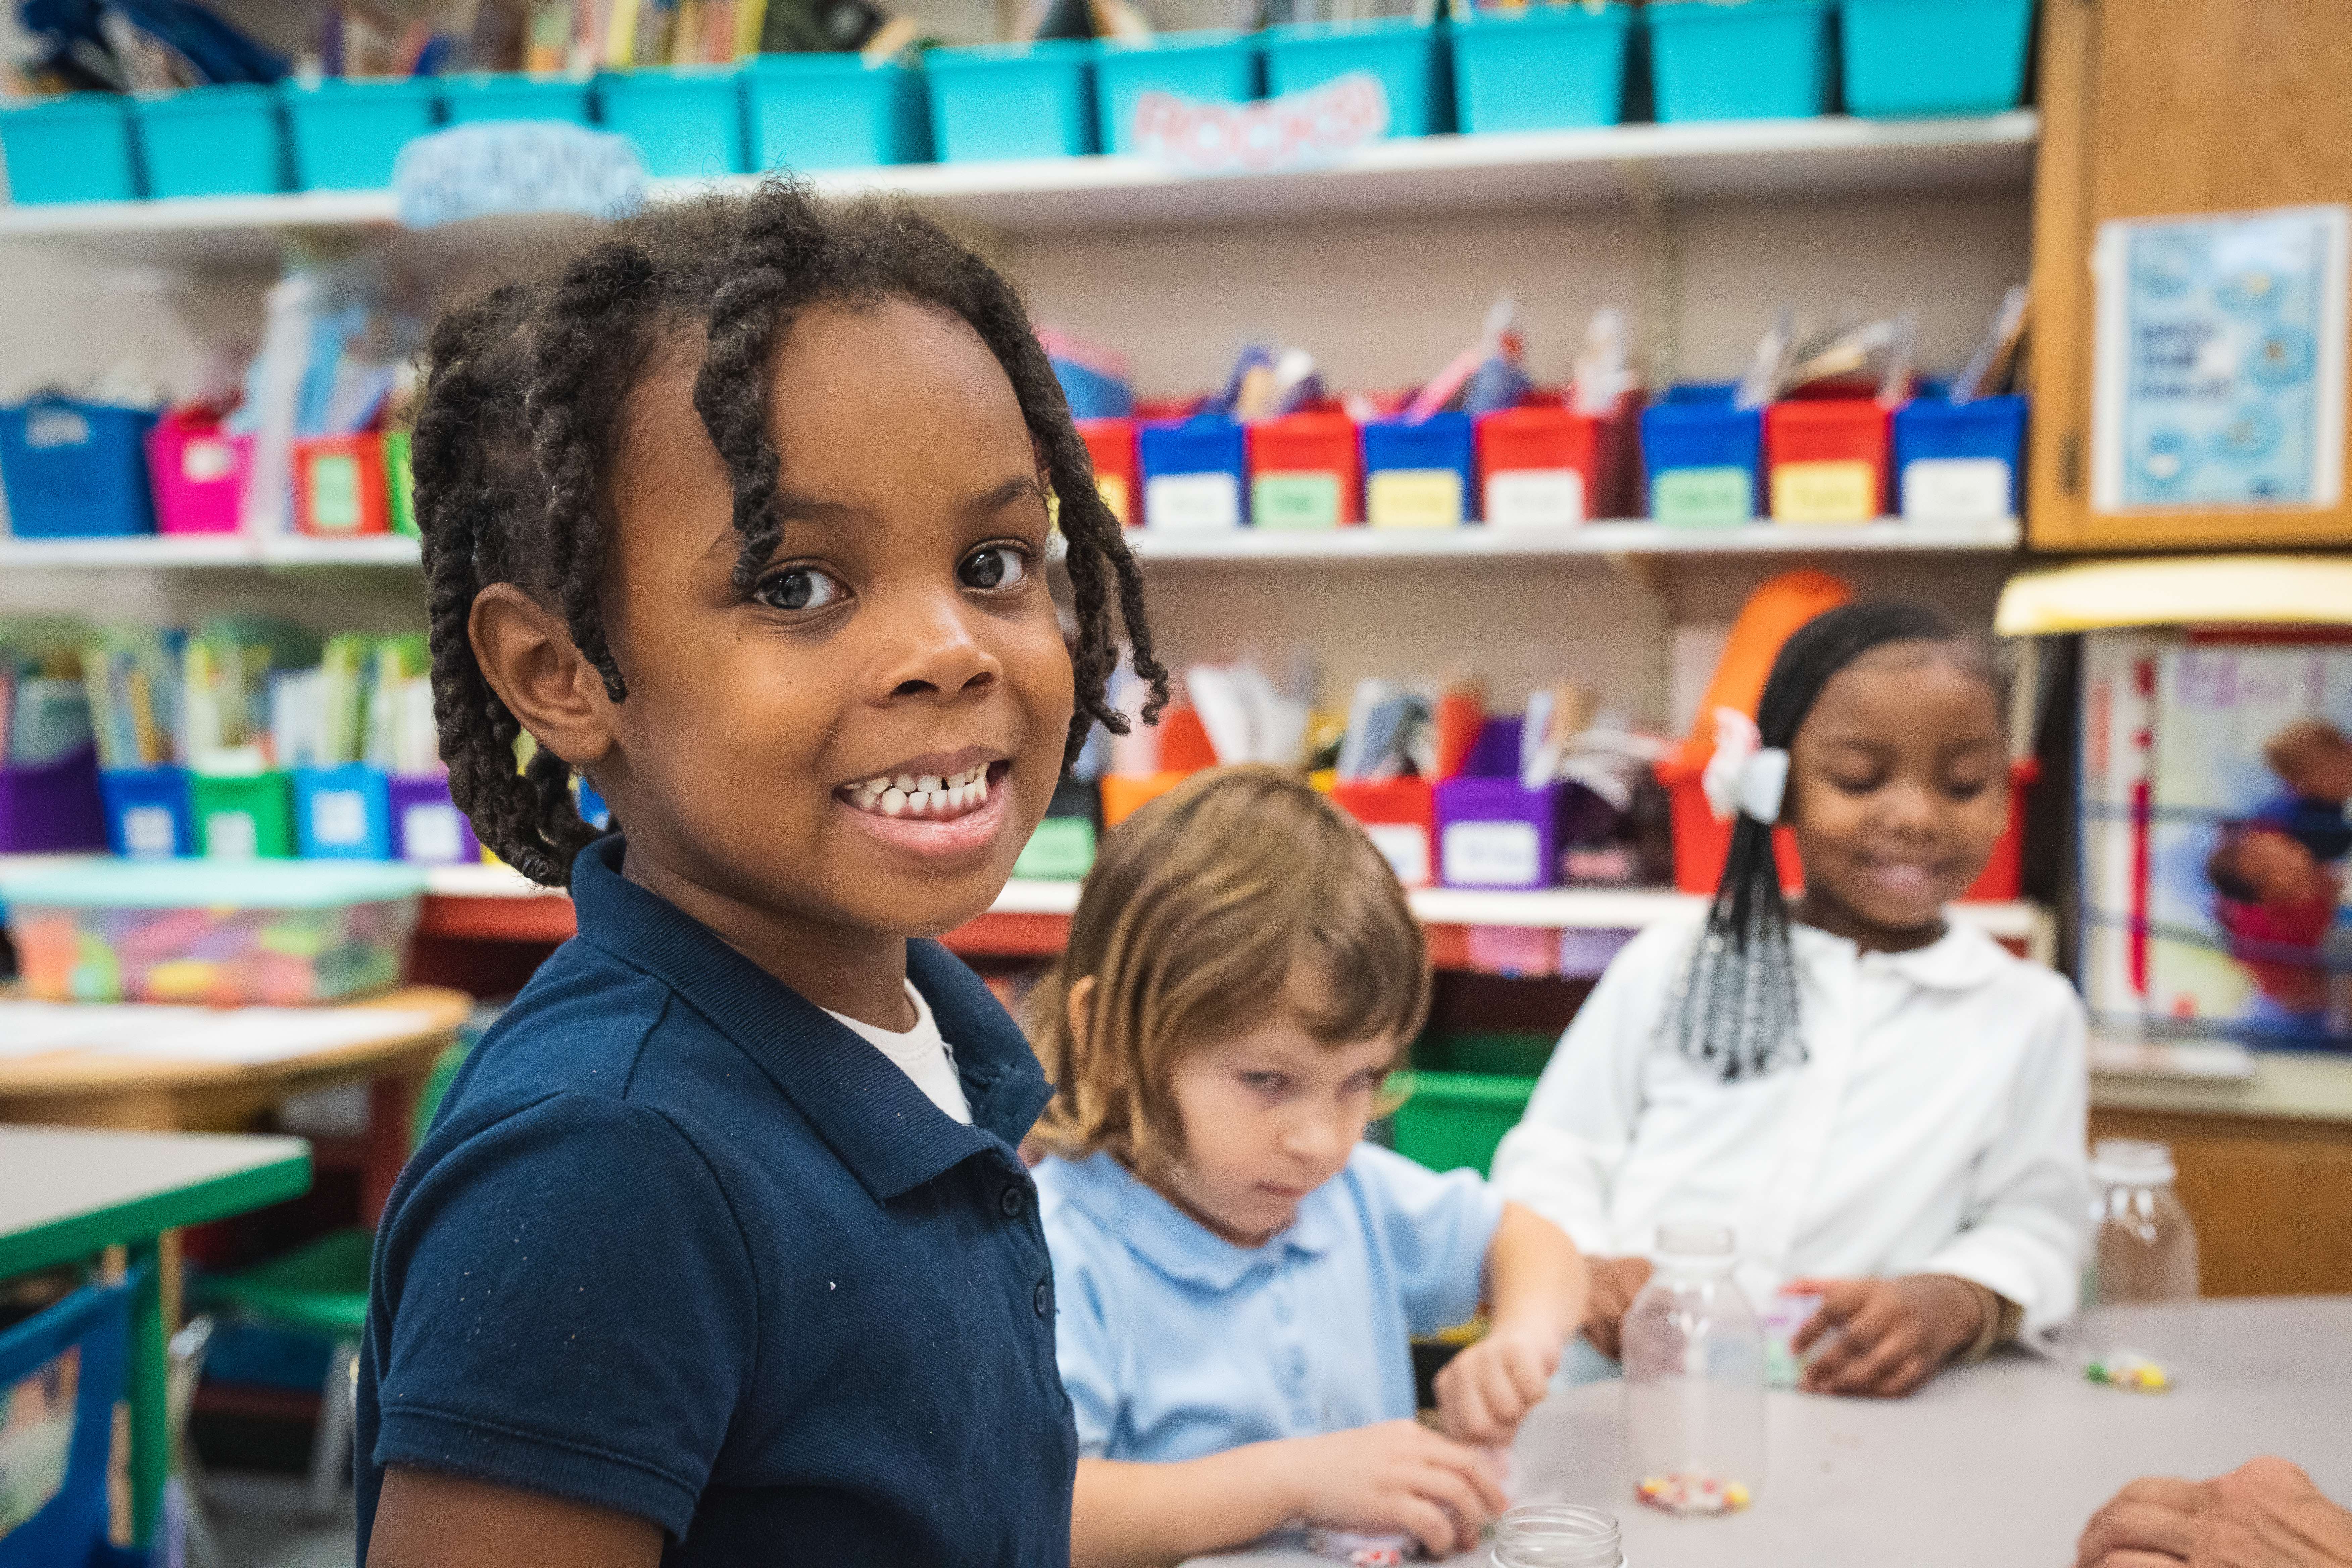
(198, 471)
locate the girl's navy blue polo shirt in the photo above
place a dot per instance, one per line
(681, 1246)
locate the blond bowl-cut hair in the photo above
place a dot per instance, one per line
(1197, 913)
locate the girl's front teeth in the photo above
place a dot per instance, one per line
(924, 795)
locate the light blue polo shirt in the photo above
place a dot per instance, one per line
(1174, 1344)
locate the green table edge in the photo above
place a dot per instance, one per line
(79, 1236)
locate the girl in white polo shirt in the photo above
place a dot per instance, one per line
(1885, 1105)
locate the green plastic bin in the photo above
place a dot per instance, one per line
(1452, 1121)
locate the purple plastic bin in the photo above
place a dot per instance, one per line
(426, 827)
(1491, 833)
(52, 807)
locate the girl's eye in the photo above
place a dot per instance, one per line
(1967, 789)
(1265, 1082)
(798, 588)
(994, 566)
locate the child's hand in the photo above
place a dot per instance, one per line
(1883, 1337)
(1484, 1390)
(1398, 1476)
(1615, 1282)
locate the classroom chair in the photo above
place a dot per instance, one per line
(73, 1401)
(321, 1288)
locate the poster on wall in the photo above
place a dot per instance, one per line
(2219, 361)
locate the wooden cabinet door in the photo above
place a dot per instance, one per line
(2158, 107)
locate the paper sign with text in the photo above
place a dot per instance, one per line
(1298, 130)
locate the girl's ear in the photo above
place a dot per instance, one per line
(1077, 1011)
(528, 657)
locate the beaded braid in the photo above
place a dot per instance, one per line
(523, 400)
(1733, 1007)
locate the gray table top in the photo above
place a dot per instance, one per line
(67, 1191)
(1995, 1466)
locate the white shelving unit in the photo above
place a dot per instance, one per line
(1830, 156)
(1334, 546)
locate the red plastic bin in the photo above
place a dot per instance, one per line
(1826, 459)
(1701, 842)
(198, 471)
(1540, 467)
(1305, 471)
(1111, 444)
(1399, 817)
(340, 487)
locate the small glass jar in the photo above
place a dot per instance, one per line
(1556, 1535)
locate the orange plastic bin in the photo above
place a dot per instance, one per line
(1303, 471)
(1826, 461)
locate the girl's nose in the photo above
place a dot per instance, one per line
(936, 654)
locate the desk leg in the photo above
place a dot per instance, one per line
(150, 1423)
(391, 1108)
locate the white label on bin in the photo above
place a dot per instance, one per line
(1406, 847)
(1957, 489)
(148, 833)
(1192, 503)
(204, 460)
(428, 831)
(338, 817)
(49, 427)
(1492, 855)
(1535, 498)
(231, 835)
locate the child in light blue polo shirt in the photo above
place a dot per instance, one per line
(1238, 1274)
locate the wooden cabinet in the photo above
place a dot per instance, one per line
(2271, 1196)
(2155, 108)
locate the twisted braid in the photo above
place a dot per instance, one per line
(524, 398)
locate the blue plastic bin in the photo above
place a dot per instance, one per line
(1543, 68)
(1959, 463)
(74, 470)
(148, 813)
(1703, 458)
(687, 120)
(211, 140)
(834, 111)
(1418, 476)
(343, 813)
(1406, 57)
(1933, 57)
(1013, 101)
(1758, 59)
(517, 95)
(346, 133)
(1205, 67)
(76, 148)
(1193, 474)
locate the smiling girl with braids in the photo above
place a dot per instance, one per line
(720, 1251)
(1885, 1106)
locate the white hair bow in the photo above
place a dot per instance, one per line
(1745, 774)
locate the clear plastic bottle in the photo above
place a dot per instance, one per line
(1556, 1535)
(1694, 1378)
(2144, 1248)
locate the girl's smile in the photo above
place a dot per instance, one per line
(934, 808)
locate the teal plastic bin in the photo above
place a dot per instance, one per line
(1913, 58)
(834, 111)
(212, 141)
(1204, 67)
(346, 133)
(1013, 100)
(1544, 68)
(687, 120)
(517, 95)
(1758, 59)
(1452, 1121)
(1406, 57)
(75, 148)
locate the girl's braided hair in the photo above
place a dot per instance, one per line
(523, 392)
(1733, 1007)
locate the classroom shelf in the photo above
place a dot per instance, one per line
(1828, 155)
(163, 551)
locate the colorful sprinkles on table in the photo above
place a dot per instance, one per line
(2128, 1369)
(1694, 1494)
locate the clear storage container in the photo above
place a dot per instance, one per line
(1694, 1379)
(1556, 1535)
(191, 931)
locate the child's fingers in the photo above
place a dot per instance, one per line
(1462, 1405)
(1840, 1300)
(1879, 1369)
(1425, 1522)
(1530, 1367)
(1451, 1491)
(1473, 1466)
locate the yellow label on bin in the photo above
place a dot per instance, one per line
(1414, 498)
(1114, 494)
(1846, 490)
